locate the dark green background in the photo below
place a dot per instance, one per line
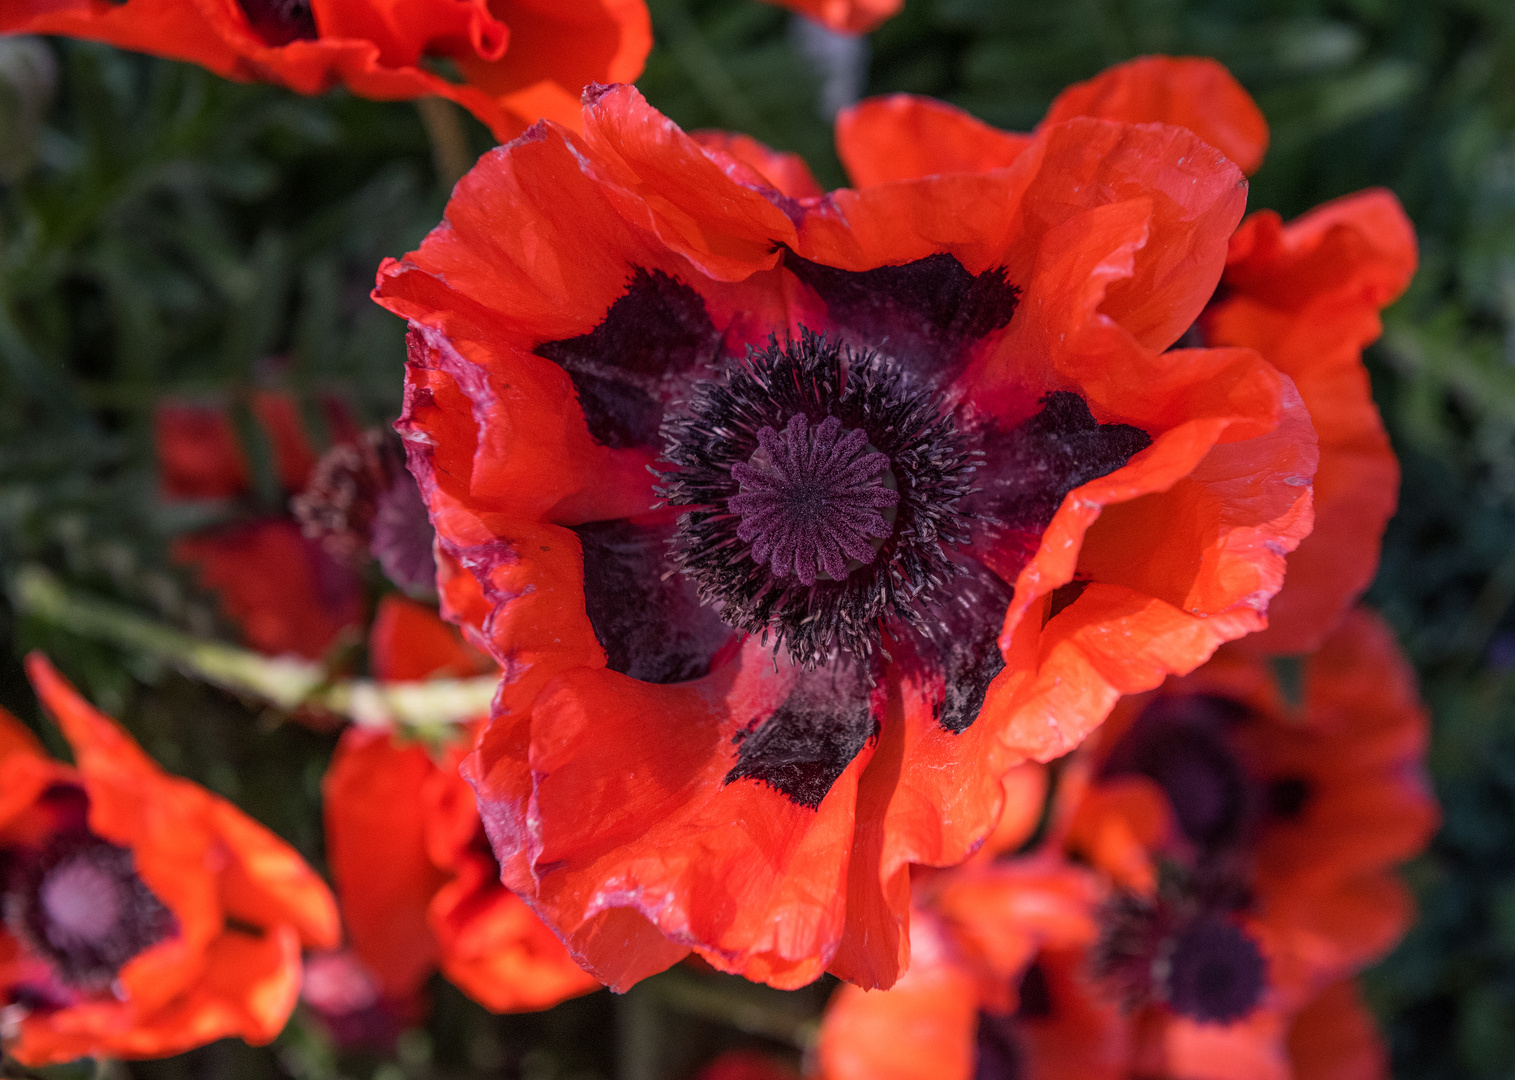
(163, 231)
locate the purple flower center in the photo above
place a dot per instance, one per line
(79, 904)
(814, 500)
(1216, 973)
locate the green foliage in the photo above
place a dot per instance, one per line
(163, 232)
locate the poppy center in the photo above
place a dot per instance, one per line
(814, 500)
(80, 904)
(1182, 743)
(278, 22)
(823, 496)
(1216, 973)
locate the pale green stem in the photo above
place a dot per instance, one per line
(284, 681)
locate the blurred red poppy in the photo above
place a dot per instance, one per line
(739, 744)
(997, 987)
(845, 16)
(1258, 839)
(143, 915)
(419, 887)
(285, 593)
(509, 61)
(1305, 295)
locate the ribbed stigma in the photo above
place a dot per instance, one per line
(814, 500)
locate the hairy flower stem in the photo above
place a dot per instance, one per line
(286, 682)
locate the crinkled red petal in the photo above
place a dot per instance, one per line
(906, 137)
(1186, 91)
(750, 162)
(1307, 296)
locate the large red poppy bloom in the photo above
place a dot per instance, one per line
(515, 60)
(1306, 295)
(1277, 828)
(419, 887)
(143, 915)
(954, 501)
(284, 592)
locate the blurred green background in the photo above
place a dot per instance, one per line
(164, 232)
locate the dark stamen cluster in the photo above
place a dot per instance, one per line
(79, 903)
(797, 386)
(278, 22)
(1182, 947)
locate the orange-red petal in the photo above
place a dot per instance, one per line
(1307, 296)
(1193, 92)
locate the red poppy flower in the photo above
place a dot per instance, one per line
(420, 889)
(956, 499)
(745, 1065)
(143, 915)
(1306, 295)
(845, 16)
(283, 591)
(1276, 829)
(516, 60)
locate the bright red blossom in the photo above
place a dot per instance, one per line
(1306, 295)
(652, 783)
(1287, 820)
(517, 59)
(419, 886)
(144, 915)
(1238, 853)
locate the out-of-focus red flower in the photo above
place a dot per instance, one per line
(347, 998)
(1306, 295)
(1254, 840)
(281, 588)
(515, 60)
(997, 987)
(143, 915)
(419, 887)
(199, 456)
(845, 16)
(285, 593)
(745, 1065)
(741, 746)
(1276, 827)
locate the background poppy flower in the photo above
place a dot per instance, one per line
(1270, 832)
(996, 987)
(845, 16)
(516, 60)
(143, 915)
(280, 587)
(654, 778)
(1306, 295)
(419, 887)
